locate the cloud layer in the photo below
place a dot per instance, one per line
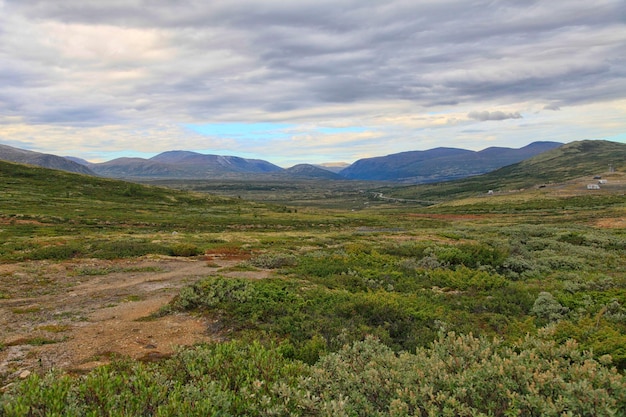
(135, 73)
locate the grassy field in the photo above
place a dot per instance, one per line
(507, 304)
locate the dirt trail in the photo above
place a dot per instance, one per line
(79, 314)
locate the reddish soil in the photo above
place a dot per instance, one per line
(79, 314)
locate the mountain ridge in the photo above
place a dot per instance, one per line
(22, 156)
(410, 167)
(441, 164)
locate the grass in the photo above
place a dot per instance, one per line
(54, 328)
(35, 341)
(26, 310)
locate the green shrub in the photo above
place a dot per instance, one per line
(455, 375)
(573, 238)
(229, 379)
(547, 308)
(117, 249)
(463, 376)
(184, 249)
(55, 252)
(464, 278)
(273, 260)
(471, 255)
(287, 309)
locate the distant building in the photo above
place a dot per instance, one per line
(593, 187)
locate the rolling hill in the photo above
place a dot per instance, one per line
(570, 161)
(312, 171)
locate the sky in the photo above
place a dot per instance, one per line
(308, 81)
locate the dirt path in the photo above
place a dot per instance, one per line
(77, 315)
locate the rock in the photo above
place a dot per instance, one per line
(24, 374)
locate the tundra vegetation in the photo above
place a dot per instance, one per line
(512, 304)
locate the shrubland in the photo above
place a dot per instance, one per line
(497, 306)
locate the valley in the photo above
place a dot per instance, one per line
(315, 297)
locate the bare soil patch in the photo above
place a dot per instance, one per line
(79, 314)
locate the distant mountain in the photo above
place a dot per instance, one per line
(335, 167)
(78, 160)
(136, 168)
(570, 161)
(434, 165)
(21, 156)
(312, 171)
(440, 164)
(181, 165)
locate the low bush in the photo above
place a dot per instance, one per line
(297, 312)
(273, 260)
(184, 249)
(130, 248)
(471, 255)
(548, 309)
(465, 376)
(455, 375)
(55, 252)
(463, 278)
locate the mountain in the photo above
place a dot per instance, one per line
(312, 171)
(440, 164)
(136, 168)
(434, 165)
(567, 162)
(80, 161)
(21, 156)
(335, 167)
(183, 165)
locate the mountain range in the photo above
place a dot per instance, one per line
(434, 165)
(441, 164)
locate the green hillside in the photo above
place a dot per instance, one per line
(573, 160)
(71, 202)
(390, 310)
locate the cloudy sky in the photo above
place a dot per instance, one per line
(308, 80)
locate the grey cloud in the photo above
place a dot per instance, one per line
(277, 56)
(552, 106)
(494, 115)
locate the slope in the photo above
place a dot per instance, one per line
(573, 160)
(22, 156)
